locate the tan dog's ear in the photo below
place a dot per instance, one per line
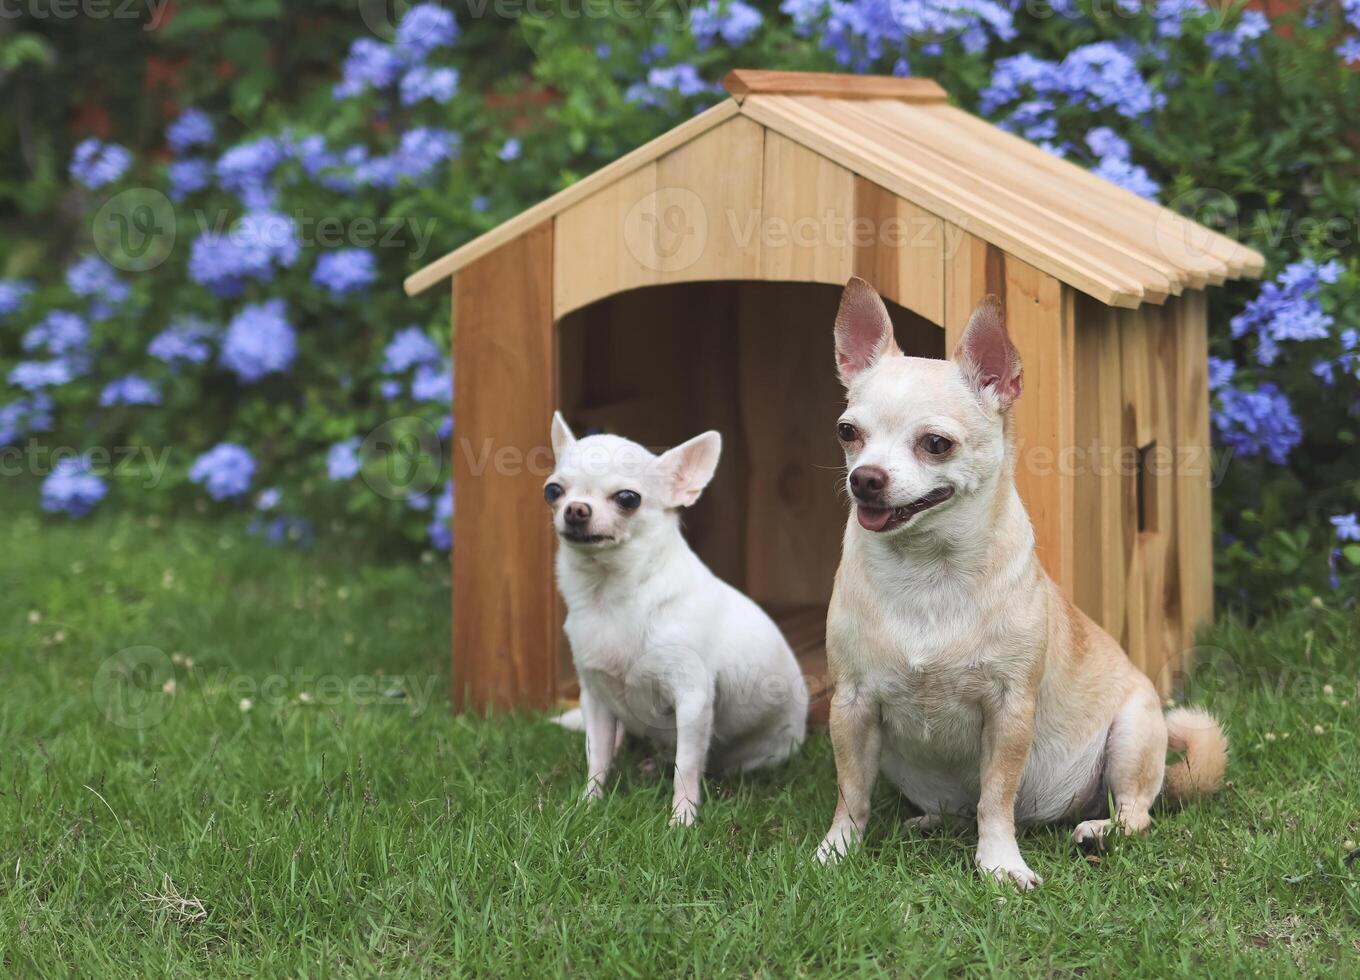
(562, 439)
(864, 333)
(686, 469)
(989, 361)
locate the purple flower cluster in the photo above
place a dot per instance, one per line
(129, 390)
(733, 22)
(345, 271)
(1101, 77)
(1257, 422)
(373, 65)
(191, 128)
(184, 341)
(23, 416)
(96, 164)
(72, 488)
(860, 32)
(245, 170)
(1113, 163)
(441, 526)
(189, 177)
(436, 84)
(1288, 309)
(225, 471)
(13, 293)
(258, 243)
(59, 333)
(259, 341)
(408, 348)
(342, 460)
(664, 84)
(91, 276)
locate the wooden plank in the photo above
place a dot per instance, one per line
(806, 218)
(1200, 252)
(593, 259)
(1043, 416)
(448, 264)
(504, 626)
(899, 249)
(1194, 504)
(876, 157)
(965, 281)
(741, 82)
(711, 186)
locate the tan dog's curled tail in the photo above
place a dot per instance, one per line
(1198, 736)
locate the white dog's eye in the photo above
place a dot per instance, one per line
(552, 492)
(936, 445)
(628, 499)
(846, 432)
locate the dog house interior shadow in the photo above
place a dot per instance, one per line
(692, 284)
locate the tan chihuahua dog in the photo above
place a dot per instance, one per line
(960, 668)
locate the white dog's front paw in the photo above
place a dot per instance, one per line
(593, 791)
(1009, 868)
(683, 812)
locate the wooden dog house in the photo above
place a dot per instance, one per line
(692, 284)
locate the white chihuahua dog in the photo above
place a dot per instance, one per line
(960, 668)
(663, 648)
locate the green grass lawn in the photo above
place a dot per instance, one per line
(302, 800)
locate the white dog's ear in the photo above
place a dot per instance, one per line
(686, 469)
(989, 361)
(561, 435)
(864, 333)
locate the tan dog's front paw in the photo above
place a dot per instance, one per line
(683, 813)
(1009, 868)
(1091, 834)
(836, 845)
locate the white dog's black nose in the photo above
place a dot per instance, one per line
(577, 514)
(868, 482)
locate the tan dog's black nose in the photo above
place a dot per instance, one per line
(868, 482)
(577, 514)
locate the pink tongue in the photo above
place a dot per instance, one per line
(873, 518)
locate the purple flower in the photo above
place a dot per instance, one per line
(369, 64)
(246, 168)
(91, 276)
(1221, 372)
(437, 84)
(95, 164)
(1288, 309)
(1257, 422)
(191, 128)
(58, 333)
(390, 389)
(189, 177)
(35, 375)
(259, 341)
(342, 459)
(184, 340)
(129, 390)
(71, 488)
(1127, 175)
(409, 348)
(1347, 527)
(664, 83)
(225, 471)
(422, 149)
(1101, 77)
(1237, 42)
(13, 292)
(425, 27)
(1349, 50)
(509, 150)
(432, 385)
(345, 270)
(25, 415)
(734, 22)
(441, 526)
(268, 499)
(258, 242)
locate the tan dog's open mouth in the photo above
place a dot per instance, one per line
(888, 518)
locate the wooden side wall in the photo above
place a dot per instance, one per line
(1142, 479)
(504, 394)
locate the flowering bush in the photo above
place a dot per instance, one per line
(309, 176)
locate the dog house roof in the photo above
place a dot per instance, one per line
(902, 134)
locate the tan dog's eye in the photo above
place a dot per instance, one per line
(936, 445)
(846, 432)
